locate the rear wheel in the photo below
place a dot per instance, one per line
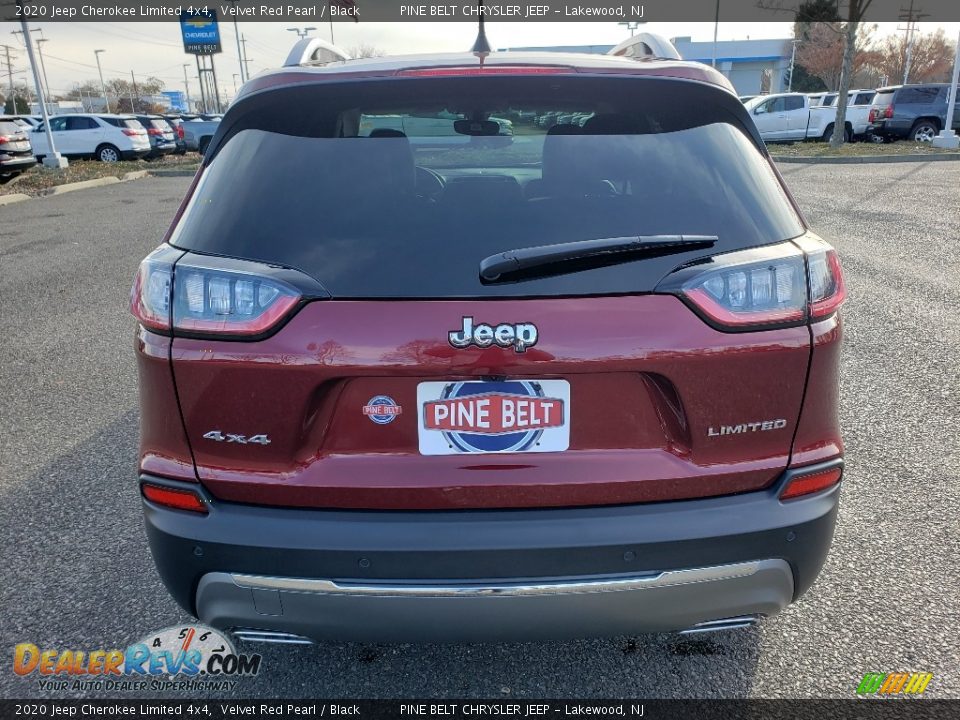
(924, 131)
(107, 153)
(828, 133)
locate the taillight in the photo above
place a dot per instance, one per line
(154, 131)
(130, 132)
(827, 288)
(888, 113)
(4, 139)
(174, 498)
(873, 115)
(180, 131)
(219, 297)
(807, 484)
(208, 299)
(152, 294)
(757, 287)
(772, 286)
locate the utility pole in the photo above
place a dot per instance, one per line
(53, 159)
(186, 84)
(103, 87)
(235, 76)
(13, 100)
(911, 17)
(135, 92)
(236, 32)
(246, 60)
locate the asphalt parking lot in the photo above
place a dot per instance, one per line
(76, 573)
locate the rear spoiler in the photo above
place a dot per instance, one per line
(646, 46)
(314, 51)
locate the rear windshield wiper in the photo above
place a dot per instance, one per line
(539, 260)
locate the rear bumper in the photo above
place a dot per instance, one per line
(491, 575)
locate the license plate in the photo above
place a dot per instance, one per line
(481, 417)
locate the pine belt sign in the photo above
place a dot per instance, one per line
(201, 35)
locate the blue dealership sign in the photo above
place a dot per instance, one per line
(201, 35)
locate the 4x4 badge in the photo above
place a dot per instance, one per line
(519, 336)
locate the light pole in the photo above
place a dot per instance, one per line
(103, 87)
(302, 32)
(43, 67)
(793, 60)
(186, 84)
(716, 26)
(53, 159)
(947, 137)
(235, 76)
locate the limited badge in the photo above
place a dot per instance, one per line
(382, 409)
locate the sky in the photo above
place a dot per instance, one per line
(155, 49)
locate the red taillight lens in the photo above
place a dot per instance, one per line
(873, 115)
(151, 296)
(129, 132)
(238, 301)
(180, 131)
(154, 131)
(888, 113)
(485, 70)
(814, 482)
(173, 498)
(4, 139)
(759, 287)
(827, 288)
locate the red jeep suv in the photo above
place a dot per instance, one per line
(464, 348)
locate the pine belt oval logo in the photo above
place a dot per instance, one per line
(494, 417)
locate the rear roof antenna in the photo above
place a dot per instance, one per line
(481, 46)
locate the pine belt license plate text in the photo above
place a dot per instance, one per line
(507, 416)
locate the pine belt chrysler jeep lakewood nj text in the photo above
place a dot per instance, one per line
(562, 382)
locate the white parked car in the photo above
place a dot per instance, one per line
(107, 138)
(788, 117)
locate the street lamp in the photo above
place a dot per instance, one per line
(43, 67)
(52, 159)
(103, 87)
(302, 32)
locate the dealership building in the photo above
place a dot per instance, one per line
(752, 66)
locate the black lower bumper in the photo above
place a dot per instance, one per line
(369, 549)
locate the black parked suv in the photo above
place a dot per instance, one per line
(917, 112)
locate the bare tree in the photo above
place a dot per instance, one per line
(364, 51)
(931, 57)
(820, 51)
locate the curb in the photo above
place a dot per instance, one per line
(13, 198)
(171, 173)
(869, 159)
(135, 175)
(82, 185)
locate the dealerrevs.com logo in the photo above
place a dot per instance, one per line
(183, 657)
(888, 684)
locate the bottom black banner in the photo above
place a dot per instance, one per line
(873, 709)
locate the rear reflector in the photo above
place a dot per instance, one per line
(814, 482)
(177, 499)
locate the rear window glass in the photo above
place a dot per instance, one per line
(918, 95)
(131, 123)
(401, 189)
(883, 98)
(159, 124)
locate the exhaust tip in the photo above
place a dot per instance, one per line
(733, 623)
(270, 636)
